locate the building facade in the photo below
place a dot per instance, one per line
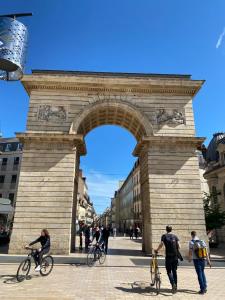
(10, 160)
(85, 212)
(137, 194)
(215, 172)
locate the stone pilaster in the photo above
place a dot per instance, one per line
(170, 187)
(47, 190)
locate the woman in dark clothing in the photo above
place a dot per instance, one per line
(44, 240)
(97, 235)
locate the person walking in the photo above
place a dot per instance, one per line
(131, 232)
(171, 243)
(81, 230)
(87, 236)
(136, 232)
(105, 237)
(199, 254)
(114, 232)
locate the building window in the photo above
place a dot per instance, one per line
(11, 197)
(4, 161)
(19, 147)
(16, 160)
(0, 195)
(13, 182)
(8, 147)
(14, 177)
(2, 180)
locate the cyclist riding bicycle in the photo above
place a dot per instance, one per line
(97, 235)
(44, 240)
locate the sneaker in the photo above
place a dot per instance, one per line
(37, 269)
(174, 289)
(201, 292)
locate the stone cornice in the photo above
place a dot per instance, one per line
(214, 172)
(149, 85)
(76, 140)
(165, 141)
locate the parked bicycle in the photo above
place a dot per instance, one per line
(155, 273)
(95, 253)
(47, 263)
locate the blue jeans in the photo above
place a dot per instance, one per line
(199, 268)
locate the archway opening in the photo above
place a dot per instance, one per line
(111, 179)
(113, 113)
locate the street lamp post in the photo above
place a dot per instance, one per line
(13, 45)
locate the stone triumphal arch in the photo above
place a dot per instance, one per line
(64, 107)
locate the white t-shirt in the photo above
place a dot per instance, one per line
(191, 246)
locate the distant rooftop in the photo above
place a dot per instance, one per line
(9, 140)
(110, 74)
(10, 145)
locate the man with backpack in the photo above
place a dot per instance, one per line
(171, 243)
(198, 252)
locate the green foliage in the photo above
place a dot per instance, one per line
(214, 216)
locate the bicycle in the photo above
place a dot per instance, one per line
(95, 253)
(155, 274)
(47, 263)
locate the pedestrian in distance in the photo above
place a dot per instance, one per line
(172, 246)
(81, 231)
(131, 232)
(139, 231)
(87, 236)
(114, 232)
(105, 238)
(198, 252)
(136, 232)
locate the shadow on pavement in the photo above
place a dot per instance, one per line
(11, 279)
(145, 289)
(125, 252)
(139, 241)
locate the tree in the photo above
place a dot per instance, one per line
(214, 215)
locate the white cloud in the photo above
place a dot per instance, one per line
(101, 188)
(220, 39)
(100, 185)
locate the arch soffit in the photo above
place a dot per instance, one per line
(131, 112)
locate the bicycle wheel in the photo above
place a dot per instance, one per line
(46, 265)
(157, 281)
(102, 256)
(91, 257)
(23, 270)
(153, 273)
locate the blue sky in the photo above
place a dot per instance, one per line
(146, 36)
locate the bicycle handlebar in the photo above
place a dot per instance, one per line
(29, 248)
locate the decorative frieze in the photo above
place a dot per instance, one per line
(170, 117)
(51, 113)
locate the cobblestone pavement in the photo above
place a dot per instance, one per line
(125, 275)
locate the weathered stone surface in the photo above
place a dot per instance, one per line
(64, 107)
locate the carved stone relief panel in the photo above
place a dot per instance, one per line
(51, 113)
(169, 117)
